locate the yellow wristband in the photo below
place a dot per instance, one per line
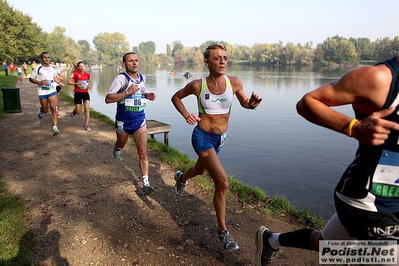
(349, 128)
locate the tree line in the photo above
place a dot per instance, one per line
(24, 40)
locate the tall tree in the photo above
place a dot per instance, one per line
(305, 55)
(147, 47)
(177, 47)
(56, 44)
(147, 53)
(395, 46)
(382, 50)
(84, 46)
(168, 50)
(111, 47)
(88, 55)
(288, 56)
(198, 58)
(21, 39)
(339, 50)
(364, 48)
(235, 53)
(72, 51)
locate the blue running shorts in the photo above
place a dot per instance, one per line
(202, 140)
(130, 127)
(45, 97)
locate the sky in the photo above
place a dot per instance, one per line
(235, 22)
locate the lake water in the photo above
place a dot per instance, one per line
(272, 147)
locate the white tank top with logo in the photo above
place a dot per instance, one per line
(209, 103)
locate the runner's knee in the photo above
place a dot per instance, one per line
(315, 237)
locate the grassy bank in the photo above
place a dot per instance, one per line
(17, 242)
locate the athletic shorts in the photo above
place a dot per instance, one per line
(365, 225)
(80, 97)
(58, 89)
(202, 140)
(129, 127)
(45, 97)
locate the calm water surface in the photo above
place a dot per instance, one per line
(272, 147)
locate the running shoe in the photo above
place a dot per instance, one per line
(73, 112)
(264, 252)
(179, 186)
(55, 131)
(88, 128)
(148, 190)
(58, 113)
(40, 114)
(228, 242)
(117, 152)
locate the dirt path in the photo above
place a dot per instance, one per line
(87, 208)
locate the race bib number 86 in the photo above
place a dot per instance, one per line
(135, 102)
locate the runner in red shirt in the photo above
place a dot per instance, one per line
(80, 79)
(12, 68)
(25, 69)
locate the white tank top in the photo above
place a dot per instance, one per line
(209, 103)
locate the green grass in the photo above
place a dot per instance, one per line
(277, 205)
(17, 241)
(93, 113)
(367, 63)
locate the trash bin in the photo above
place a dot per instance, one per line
(11, 100)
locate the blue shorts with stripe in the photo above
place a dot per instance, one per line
(202, 140)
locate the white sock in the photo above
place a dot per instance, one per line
(273, 241)
(145, 181)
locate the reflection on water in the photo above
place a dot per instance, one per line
(272, 147)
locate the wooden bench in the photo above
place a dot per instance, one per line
(157, 127)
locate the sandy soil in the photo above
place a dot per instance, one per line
(88, 209)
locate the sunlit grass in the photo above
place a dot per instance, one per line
(277, 205)
(17, 242)
(93, 113)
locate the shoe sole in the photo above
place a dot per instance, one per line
(176, 177)
(40, 114)
(259, 245)
(149, 191)
(116, 155)
(233, 250)
(177, 180)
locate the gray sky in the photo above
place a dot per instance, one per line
(236, 22)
